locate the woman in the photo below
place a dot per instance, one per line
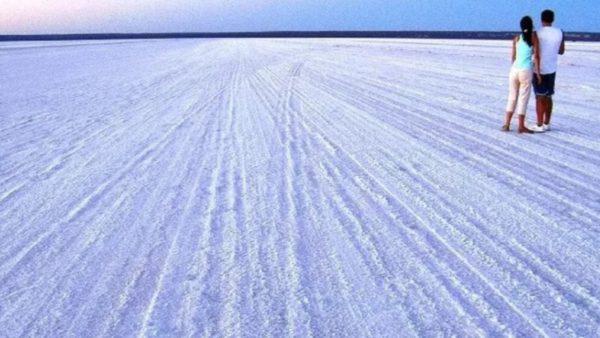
(525, 48)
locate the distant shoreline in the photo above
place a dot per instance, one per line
(469, 35)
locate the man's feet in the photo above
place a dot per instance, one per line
(538, 129)
(525, 130)
(505, 127)
(546, 127)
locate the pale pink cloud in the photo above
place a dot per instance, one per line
(56, 16)
(30, 15)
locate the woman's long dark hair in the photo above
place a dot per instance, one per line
(527, 29)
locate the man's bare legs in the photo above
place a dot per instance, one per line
(543, 107)
(549, 106)
(540, 109)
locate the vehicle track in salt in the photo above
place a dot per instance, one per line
(273, 187)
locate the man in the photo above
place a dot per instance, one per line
(552, 44)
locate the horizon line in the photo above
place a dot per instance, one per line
(431, 34)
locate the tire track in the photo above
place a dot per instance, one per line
(358, 246)
(60, 284)
(205, 317)
(438, 239)
(506, 161)
(92, 199)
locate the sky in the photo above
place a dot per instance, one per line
(137, 16)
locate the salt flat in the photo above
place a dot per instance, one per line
(301, 187)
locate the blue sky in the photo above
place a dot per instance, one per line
(89, 16)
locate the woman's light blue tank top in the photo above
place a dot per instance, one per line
(524, 53)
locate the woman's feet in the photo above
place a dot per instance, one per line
(525, 130)
(506, 126)
(522, 129)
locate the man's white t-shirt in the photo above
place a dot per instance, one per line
(550, 40)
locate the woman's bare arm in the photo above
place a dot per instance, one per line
(514, 49)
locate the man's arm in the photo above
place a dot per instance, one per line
(536, 56)
(561, 50)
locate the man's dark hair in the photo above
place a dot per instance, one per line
(548, 16)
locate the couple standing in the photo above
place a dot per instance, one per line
(535, 58)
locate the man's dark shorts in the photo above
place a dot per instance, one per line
(546, 88)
